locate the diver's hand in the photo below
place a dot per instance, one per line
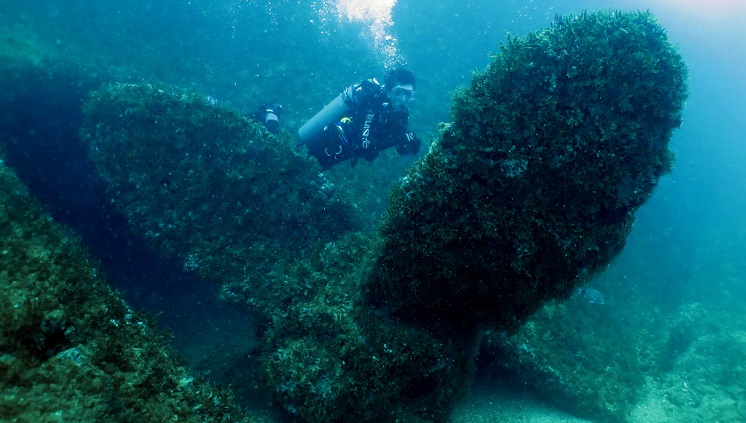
(364, 91)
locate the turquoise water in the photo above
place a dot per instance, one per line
(679, 287)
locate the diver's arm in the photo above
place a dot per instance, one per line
(362, 94)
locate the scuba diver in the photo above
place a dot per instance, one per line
(365, 119)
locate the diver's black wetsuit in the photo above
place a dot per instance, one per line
(371, 126)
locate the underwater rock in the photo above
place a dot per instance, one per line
(698, 373)
(73, 350)
(204, 184)
(533, 187)
(334, 359)
(573, 355)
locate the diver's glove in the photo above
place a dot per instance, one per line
(369, 86)
(361, 93)
(411, 146)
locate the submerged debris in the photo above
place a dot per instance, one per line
(533, 188)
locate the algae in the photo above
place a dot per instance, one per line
(238, 206)
(70, 348)
(329, 357)
(530, 191)
(533, 187)
(205, 184)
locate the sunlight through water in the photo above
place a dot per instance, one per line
(375, 16)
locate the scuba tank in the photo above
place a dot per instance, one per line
(332, 112)
(337, 109)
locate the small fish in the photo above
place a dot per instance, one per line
(593, 296)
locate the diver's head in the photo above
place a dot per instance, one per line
(400, 85)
